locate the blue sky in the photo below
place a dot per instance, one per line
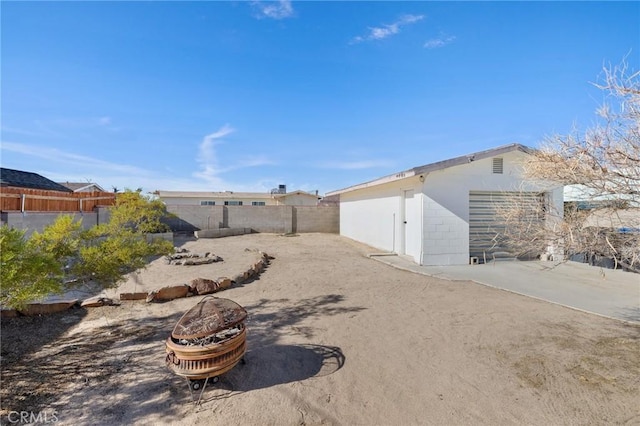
(244, 95)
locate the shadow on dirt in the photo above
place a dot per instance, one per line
(278, 364)
(269, 319)
(22, 336)
(116, 372)
(94, 370)
(269, 363)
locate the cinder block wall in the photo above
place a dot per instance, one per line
(317, 219)
(36, 221)
(194, 218)
(272, 219)
(269, 219)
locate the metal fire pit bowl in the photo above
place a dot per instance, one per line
(208, 340)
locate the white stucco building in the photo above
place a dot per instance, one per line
(232, 198)
(441, 213)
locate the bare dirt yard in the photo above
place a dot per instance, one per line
(333, 338)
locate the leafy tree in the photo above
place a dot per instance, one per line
(27, 272)
(64, 254)
(140, 213)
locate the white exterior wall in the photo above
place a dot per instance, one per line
(195, 201)
(446, 204)
(374, 215)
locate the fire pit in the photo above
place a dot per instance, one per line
(208, 340)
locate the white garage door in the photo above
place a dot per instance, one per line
(486, 240)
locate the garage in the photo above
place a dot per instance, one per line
(446, 213)
(486, 225)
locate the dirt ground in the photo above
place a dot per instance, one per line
(333, 338)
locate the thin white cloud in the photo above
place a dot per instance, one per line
(60, 127)
(440, 41)
(104, 121)
(356, 165)
(208, 158)
(62, 166)
(387, 30)
(273, 9)
(76, 123)
(57, 156)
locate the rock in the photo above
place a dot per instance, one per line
(168, 293)
(97, 301)
(33, 309)
(198, 261)
(223, 283)
(133, 296)
(8, 313)
(204, 286)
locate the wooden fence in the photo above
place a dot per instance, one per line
(37, 200)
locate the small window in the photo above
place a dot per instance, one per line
(257, 203)
(207, 203)
(233, 203)
(498, 166)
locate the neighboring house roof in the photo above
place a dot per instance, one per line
(82, 186)
(619, 219)
(330, 200)
(440, 165)
(20, 179)
(230, 195)
(297, 192)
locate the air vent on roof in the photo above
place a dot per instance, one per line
(498, 165)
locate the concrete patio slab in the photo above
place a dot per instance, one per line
(607, 292)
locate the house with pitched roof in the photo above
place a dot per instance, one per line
(232, 198)
(444, 213)
(20, 179)
(82, 186)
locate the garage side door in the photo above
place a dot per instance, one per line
(486, 226)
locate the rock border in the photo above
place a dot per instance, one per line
(202, 286)
(197, 287)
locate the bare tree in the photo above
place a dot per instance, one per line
(601, 167)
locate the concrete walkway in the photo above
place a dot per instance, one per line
(607, 292)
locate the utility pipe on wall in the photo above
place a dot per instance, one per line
(393, 246)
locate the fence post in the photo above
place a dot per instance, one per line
(23, 197)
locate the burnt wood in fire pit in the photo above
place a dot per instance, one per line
(208, 340)
(209, 317)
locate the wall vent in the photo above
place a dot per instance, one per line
(498, 166)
